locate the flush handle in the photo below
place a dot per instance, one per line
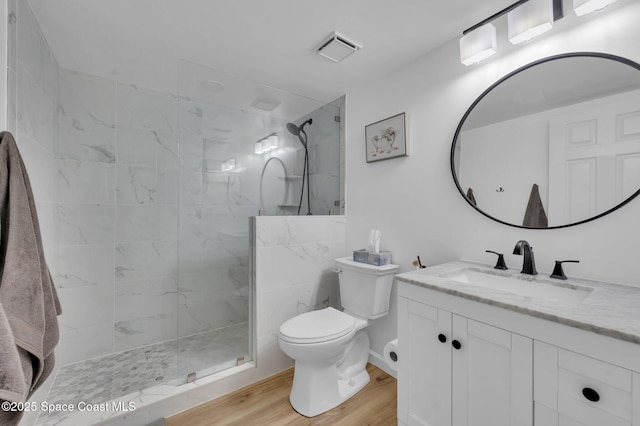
(591, 394)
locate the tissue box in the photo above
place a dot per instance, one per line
(371, 257)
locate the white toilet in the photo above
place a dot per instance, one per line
(331, 348)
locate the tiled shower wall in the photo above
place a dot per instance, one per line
(118, 160)
(215, 207)
(32, 101)
(102, 158)
(104, 164)
(294, 267)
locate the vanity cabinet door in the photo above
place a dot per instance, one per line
(460, 372)
(424, 366)
(492, 376)
(572, 389)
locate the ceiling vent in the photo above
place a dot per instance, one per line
(265, 104)
(336, 47)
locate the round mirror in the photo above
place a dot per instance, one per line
(553, 144)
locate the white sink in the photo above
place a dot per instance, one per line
(523, 285)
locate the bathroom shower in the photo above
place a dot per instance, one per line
(299, 131)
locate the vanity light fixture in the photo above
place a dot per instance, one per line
(529, 20)
(525, 19)
(582, 7)
(273, 141)
(228, 165)
(478, 44)
(266, 144)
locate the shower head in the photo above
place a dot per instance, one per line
(295, 130)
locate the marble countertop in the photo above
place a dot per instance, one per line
(609, 309)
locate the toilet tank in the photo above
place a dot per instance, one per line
(365, 290)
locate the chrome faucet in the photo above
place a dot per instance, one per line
(529, 264)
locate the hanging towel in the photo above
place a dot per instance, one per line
(28, 298)
(470, 196)
(534, 216)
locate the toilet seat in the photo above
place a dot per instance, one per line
(317, 326)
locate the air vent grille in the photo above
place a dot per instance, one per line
(336, 47)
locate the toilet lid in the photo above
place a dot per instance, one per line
(317, 326)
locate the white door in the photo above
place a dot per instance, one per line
(424, 373)
(594, 157)
(492, 376)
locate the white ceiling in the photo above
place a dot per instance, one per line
(267, 41)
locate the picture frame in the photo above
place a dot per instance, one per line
(386, 139)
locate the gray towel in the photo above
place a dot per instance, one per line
(534, 216)
(28, 298)
(470, 196)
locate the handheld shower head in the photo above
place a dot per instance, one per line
(293, 129)
(297, 130)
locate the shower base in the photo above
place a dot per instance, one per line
(104, 379)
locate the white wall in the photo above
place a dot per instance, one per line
(414, 201)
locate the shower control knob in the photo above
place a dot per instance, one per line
(442, 338)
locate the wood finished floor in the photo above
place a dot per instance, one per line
(266, 403)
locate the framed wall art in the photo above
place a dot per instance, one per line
(386, 139)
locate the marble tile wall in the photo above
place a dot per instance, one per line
(86, 215)
(118, 211)
(32, 101)
(146, 252)
(294, 263)
(32, 89)
(215, 207)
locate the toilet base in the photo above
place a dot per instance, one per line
(319, 387)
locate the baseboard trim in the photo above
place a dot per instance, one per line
(379, 361)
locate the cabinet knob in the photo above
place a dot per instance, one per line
(456, 344)
(591, 394)
(442, 338)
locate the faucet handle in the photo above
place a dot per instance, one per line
(500, 264)
(557, 270)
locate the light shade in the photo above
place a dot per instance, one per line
(273, 141)
(529, 20)
(258, 149)
(228, 165)
(478, 44)
(582, 7)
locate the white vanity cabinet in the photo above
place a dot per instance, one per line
(458, 371)
(512, 368)
(572, 389)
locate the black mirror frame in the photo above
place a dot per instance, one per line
(497, 83)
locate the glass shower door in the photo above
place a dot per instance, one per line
(216, 201)
(237, 160)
